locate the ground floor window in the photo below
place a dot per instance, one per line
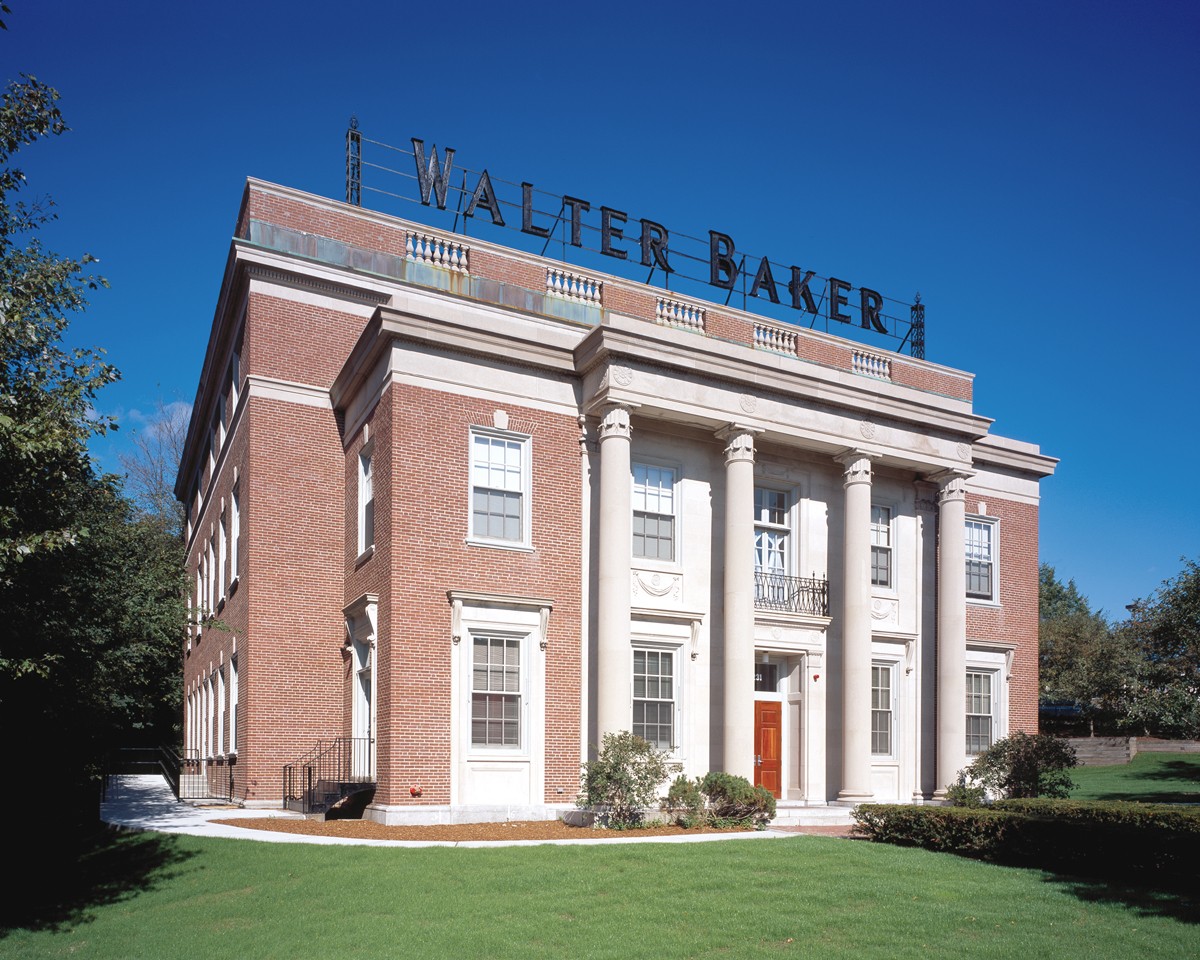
(881, 710)
(980, 712)
(654, 697)
(496, 692)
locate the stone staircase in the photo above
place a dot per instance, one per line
(797, 813)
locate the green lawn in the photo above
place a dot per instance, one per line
(1149, 777)
(161, 897)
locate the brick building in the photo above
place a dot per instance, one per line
(456, 510)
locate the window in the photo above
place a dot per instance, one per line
(881, 710)
(881, 546)
(653, 512)
(499, 487)
(210, 575)
(496, 692)
(198, 599)
(654, 697)
(979, 712)
(220, 745)
(770, 531)
(981, 559)
(366, 501)
(223, 556)
(233, 703)
(235, 532)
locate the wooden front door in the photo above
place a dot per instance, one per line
(768, 748)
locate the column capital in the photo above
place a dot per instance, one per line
(614, 421)
(739, 442)
(857, 463)
(952, 485)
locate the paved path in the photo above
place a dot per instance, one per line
(146, 803)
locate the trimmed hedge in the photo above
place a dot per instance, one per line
(1112, 840)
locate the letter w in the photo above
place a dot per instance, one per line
(432, 174)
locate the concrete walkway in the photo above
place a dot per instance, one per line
(146, 803)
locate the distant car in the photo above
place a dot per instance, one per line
(1067, 710)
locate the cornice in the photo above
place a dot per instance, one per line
(639, 344)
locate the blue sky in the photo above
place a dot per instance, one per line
(1030, 168)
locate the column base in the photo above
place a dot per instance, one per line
(849, 798)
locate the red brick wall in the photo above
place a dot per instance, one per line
(349, 225)
(1015, 620)
(426, 491)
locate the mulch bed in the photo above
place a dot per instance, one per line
(458, 832)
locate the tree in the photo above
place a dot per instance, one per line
(46, 392)
(1019, 766)
(1082, 661)
(1165, 629)
(1056, 599)
(151, 466)
(90, 589)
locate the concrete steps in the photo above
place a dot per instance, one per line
(796, 813)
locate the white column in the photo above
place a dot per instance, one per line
(614, 670)
(952, 631)
(856, 630)
(739, 600)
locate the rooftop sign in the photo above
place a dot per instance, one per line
(760, 282)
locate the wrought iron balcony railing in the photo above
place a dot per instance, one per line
(774, 591)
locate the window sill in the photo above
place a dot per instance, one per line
(365, 556)
(233, 585)
(500, 545)
(980, 602)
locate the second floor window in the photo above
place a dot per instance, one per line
(653, 512)
(499, 487)
(881, 546)
(981, 559)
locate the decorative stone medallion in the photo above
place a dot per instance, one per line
(867, 429)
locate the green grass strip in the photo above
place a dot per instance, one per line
(183, 897)
(1148, 778)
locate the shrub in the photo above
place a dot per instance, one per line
(975, 832)
(733, 799)
(1019, 766)
(1157, 844)
(625, 778)
(718, 798)
(685, 802)
(965, 793)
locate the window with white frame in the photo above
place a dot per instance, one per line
(208, 717)
(881, 709)
(499, 487)
(981, 558)
(210, 574)
(881, 546)
(980, 711)
(496, 691)
(653, 512)
(198, 599)
(654, 697)
(772, 535)
(235, 376)
(220, 744)
(223, 556)
(235, 531)
(366, 500)
(233, 703)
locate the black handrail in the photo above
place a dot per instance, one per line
(333, 769)
(807, 595)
